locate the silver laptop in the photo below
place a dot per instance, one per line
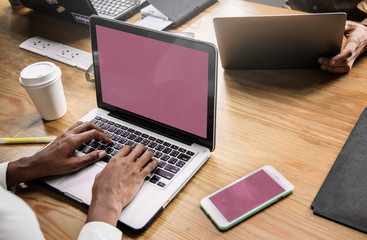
(153, 88)
(278, 41)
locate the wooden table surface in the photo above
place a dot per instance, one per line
(294, 120)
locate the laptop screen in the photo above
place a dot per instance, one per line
(165, 81)
(158, 80)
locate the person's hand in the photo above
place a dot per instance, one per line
(356, 44)
(58, 157)
(117, 184)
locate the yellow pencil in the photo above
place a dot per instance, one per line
(46, 139)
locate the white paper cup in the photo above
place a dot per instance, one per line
(42, 81)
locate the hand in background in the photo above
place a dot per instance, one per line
(117, 184)
(58, 157)
(356, 44)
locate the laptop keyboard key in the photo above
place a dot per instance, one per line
(81, 147)
(174, 153)
(152, 144)
(158, 154)
(106, 158)
(111, 128)
(102, 147)
(131, 136)
(190, 153)
(184, 157)
(159, 147)
(88, 149)
(137, 133)
(109, 150)
(105, 126)
(163, 173)
(95, 144)
(115, 137)
(172, 168)
(118, 146)
(182, 150)
(109, 134)
(118, 131)
(161, 164)
(165, 157)
(145, 142)
(167, 150)
(138, 139)
(161, 184)
(99, 124)
(173, 160)
(122, 140)
(180, 164)
(154, 179)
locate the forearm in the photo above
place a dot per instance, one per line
(103, 211)
(22, 170)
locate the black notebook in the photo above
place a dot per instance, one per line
(343, 195)
(180, 11)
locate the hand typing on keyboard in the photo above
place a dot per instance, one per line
(59, 156)
(117, 184)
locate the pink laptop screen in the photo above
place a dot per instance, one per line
(154, 79)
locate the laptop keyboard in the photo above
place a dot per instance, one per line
(171, 158)
(113, 8)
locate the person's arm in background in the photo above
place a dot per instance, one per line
(356, 44)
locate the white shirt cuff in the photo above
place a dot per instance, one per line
(99, 230)
(3, 169)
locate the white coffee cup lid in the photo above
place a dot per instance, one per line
(38, 74)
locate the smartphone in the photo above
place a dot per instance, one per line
(245, 197)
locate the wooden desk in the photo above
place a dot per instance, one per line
(294, 120)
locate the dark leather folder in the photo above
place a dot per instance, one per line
(343, 195)
(180, 11)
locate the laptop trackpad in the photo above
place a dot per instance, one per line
(80, 184)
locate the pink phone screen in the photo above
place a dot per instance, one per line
(245, 195)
